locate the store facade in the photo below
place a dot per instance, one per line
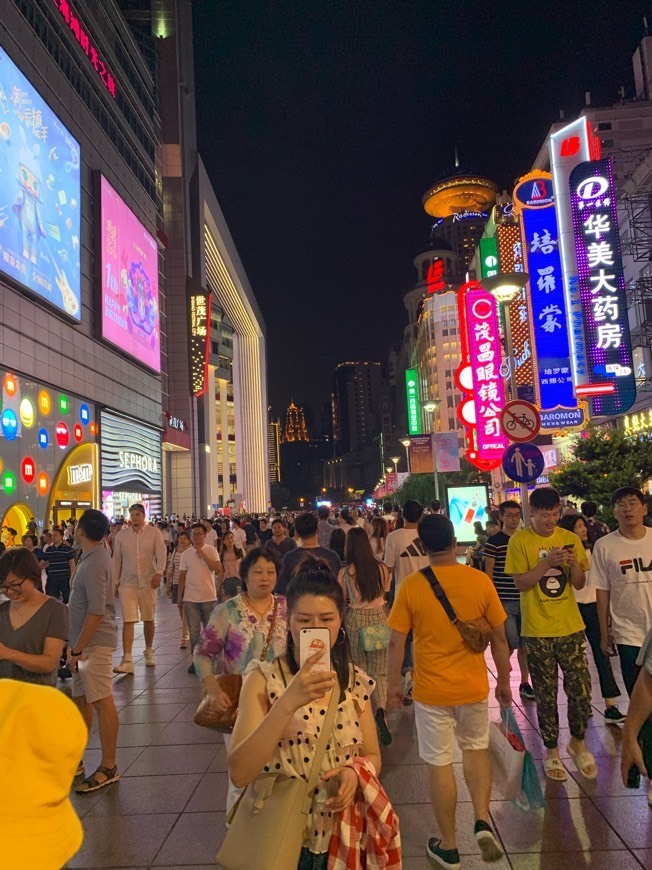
(130, 461)
(48, 453)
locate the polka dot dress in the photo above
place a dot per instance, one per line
(294, 752)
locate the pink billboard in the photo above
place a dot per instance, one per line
(129, 261)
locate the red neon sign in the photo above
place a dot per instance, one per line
(82, 37)
(435, 280)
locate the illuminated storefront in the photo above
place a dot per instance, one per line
(130, 465)
(48, 453)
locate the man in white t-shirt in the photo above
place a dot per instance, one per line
(239, 535)
(405, 555)
(198, 589)
(621, 572)
(211, 534)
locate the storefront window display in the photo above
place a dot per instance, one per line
(131, 465)
(45, 433)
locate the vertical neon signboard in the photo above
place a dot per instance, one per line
(488, 257)
(510, 258)
(480, 377)
(412, 398)
(602, 286)
(200, 319)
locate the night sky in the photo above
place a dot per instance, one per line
(322, 124)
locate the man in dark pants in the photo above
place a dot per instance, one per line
(59, 563)
(621, 572)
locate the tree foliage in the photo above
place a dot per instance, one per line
(421, 487)
(603, 460)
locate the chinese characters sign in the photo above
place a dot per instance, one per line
(510, 255)
(412, 399)
(488, 257)
(602, 285)
(40, 187)
(481, 354)
(82, 37)
(548, 318)
(200, 318)
(130, 293)
(435, 281)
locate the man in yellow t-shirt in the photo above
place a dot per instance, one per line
(451, 687)
(547, 563)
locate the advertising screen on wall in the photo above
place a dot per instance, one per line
(129, 263)
(39, 195)
(130, 455)
(467, 505)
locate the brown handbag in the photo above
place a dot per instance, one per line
(475, 634)
(206, 715)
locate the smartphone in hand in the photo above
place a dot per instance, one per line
(311, 641)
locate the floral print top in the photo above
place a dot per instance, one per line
(236, 635)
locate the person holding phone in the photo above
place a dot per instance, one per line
(283, 702)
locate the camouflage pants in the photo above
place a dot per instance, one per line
(545, 655)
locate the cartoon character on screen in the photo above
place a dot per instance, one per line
(28, 200)
(141, 299)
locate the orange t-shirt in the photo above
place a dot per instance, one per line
(446, 672)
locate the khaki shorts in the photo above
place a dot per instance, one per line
(439, 727)
(93, 678)
(138, 603)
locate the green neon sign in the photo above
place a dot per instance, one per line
(489, 257)
(412, 395)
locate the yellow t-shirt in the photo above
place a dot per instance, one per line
(549, 609)
(446, 672)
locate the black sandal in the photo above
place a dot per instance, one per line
(92, 783)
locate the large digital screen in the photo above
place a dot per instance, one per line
(129, 263)
(39, 195)
(467, 505)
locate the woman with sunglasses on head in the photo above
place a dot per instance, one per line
(283, 705)
(33, 626)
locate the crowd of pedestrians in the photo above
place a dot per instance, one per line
(395, 602)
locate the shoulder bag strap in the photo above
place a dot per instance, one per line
(272, 623)
(347, 580)
(324, 737)
(441, 596)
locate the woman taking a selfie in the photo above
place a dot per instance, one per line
(283, 706)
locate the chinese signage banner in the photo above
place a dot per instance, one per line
(602, 286)
(510, 257)
(412, 399)
(420, 452)
(485, 358)
(447, 451)
(40, 195)
(488, 257)
(548, 320)
(129, 262)
(200, 314)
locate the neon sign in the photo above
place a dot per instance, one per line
(412, 398)
(479, 376)
(488, 257)
(435, 278)
(74, 24)
(200, 314)
(534, 190)
(510, 258)
(602, 287)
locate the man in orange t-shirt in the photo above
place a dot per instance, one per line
(451, 686)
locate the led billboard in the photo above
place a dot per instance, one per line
(129, 263)
(39, 195)
(467, 505)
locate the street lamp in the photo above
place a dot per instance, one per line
(431, 408)
(505, 288)
(395, 460)
(406, 443)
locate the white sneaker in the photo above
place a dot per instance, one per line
(149, 658)
(126, 666)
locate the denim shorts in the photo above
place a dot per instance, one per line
(513, 624)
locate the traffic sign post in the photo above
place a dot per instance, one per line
(523, 462)
(520, 421)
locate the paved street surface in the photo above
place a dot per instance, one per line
(167, 809)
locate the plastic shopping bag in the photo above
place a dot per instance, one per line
(507, 755)
(531, 794)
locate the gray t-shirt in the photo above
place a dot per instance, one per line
(92, 594)
(50, 620)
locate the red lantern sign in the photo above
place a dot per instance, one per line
(79, 432)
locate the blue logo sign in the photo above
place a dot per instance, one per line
(562, 418)
(523, 462)
(84, 414)
(43, 438)
(535, 192)
(9, 424)
(548, 308)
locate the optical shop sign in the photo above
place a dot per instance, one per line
(602, 286)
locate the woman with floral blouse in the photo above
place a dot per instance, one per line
(237, 632)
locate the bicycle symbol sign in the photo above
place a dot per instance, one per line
(520, 421)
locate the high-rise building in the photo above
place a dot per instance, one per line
(295, 425)
(274, 448)
(357, 405)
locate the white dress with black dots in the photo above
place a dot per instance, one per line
(293, 755)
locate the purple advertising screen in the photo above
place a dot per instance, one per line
(602, 286)
(129, 262)
(40, 195)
